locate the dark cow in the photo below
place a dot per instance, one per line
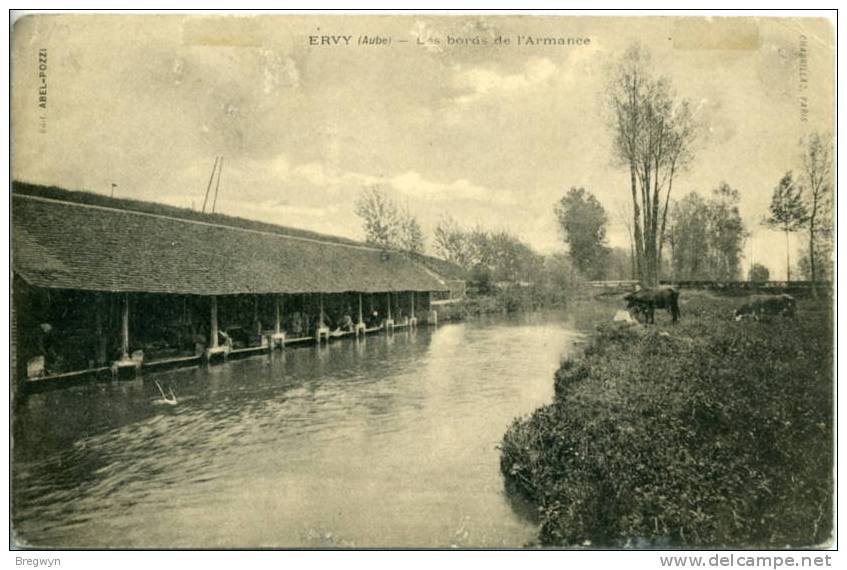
(759, 305)
(646, 301)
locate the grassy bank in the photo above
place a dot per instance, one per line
(709, 433)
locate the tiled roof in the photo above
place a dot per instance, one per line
(69, 245)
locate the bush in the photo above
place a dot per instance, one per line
(710, 433)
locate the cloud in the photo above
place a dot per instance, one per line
(413, 184)
(317, 174)
(479, 83)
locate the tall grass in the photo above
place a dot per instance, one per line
(709, 433)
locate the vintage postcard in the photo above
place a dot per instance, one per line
(422, 280)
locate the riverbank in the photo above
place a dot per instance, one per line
(510, 300)
(710, 433)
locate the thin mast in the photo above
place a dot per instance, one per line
(209, 187)
(220, 169)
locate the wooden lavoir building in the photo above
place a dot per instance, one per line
(107, 291)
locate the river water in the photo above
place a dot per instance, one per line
(388, 442)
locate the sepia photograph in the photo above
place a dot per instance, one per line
(422, 281)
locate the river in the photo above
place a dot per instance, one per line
(391, 442)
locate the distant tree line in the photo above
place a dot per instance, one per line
(494, 259)
(706, 236)
(489, 256)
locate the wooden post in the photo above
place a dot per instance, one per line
(412, 296)
(278, 323)
(100, 346)
(433, 314)
(320, 329)
(389, 322)
(256, 315)
(213, 328)
(125, 329)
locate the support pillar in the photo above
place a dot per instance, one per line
(256, 315)
(100, 347)
(278, 319)
(389, 322)
(213, 326)
(321, 331)
(278, 336)
(215, 349)
(433, 314)
(413, 320)
(125, 366)
(125, 328)
(360, 325)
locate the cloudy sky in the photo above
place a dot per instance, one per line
(492, 134)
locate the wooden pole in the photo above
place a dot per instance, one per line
(209, 187)
(213, 328)
(389, 305)
(278, 323)
(360, 309)
(217, 186)
(125, 329)
(100, 347)
(256, 315)
(412, 297)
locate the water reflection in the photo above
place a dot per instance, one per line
(387, 441)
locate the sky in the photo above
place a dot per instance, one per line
(491, 134)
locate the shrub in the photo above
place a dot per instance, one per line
(710, 433)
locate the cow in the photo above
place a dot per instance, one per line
(646, 301)
(759, 305)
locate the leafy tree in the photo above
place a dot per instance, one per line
(817, 170)
(451, 242)
(758, 273)
(787, 212)
(726, 233)
(386, 225)
(689, 231)
(823, 261)
(707, 236)
(410, 236)
(490, 256)
(379, 216)
(653, 133)
(582, 222)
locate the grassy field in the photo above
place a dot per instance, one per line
(709, 433)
